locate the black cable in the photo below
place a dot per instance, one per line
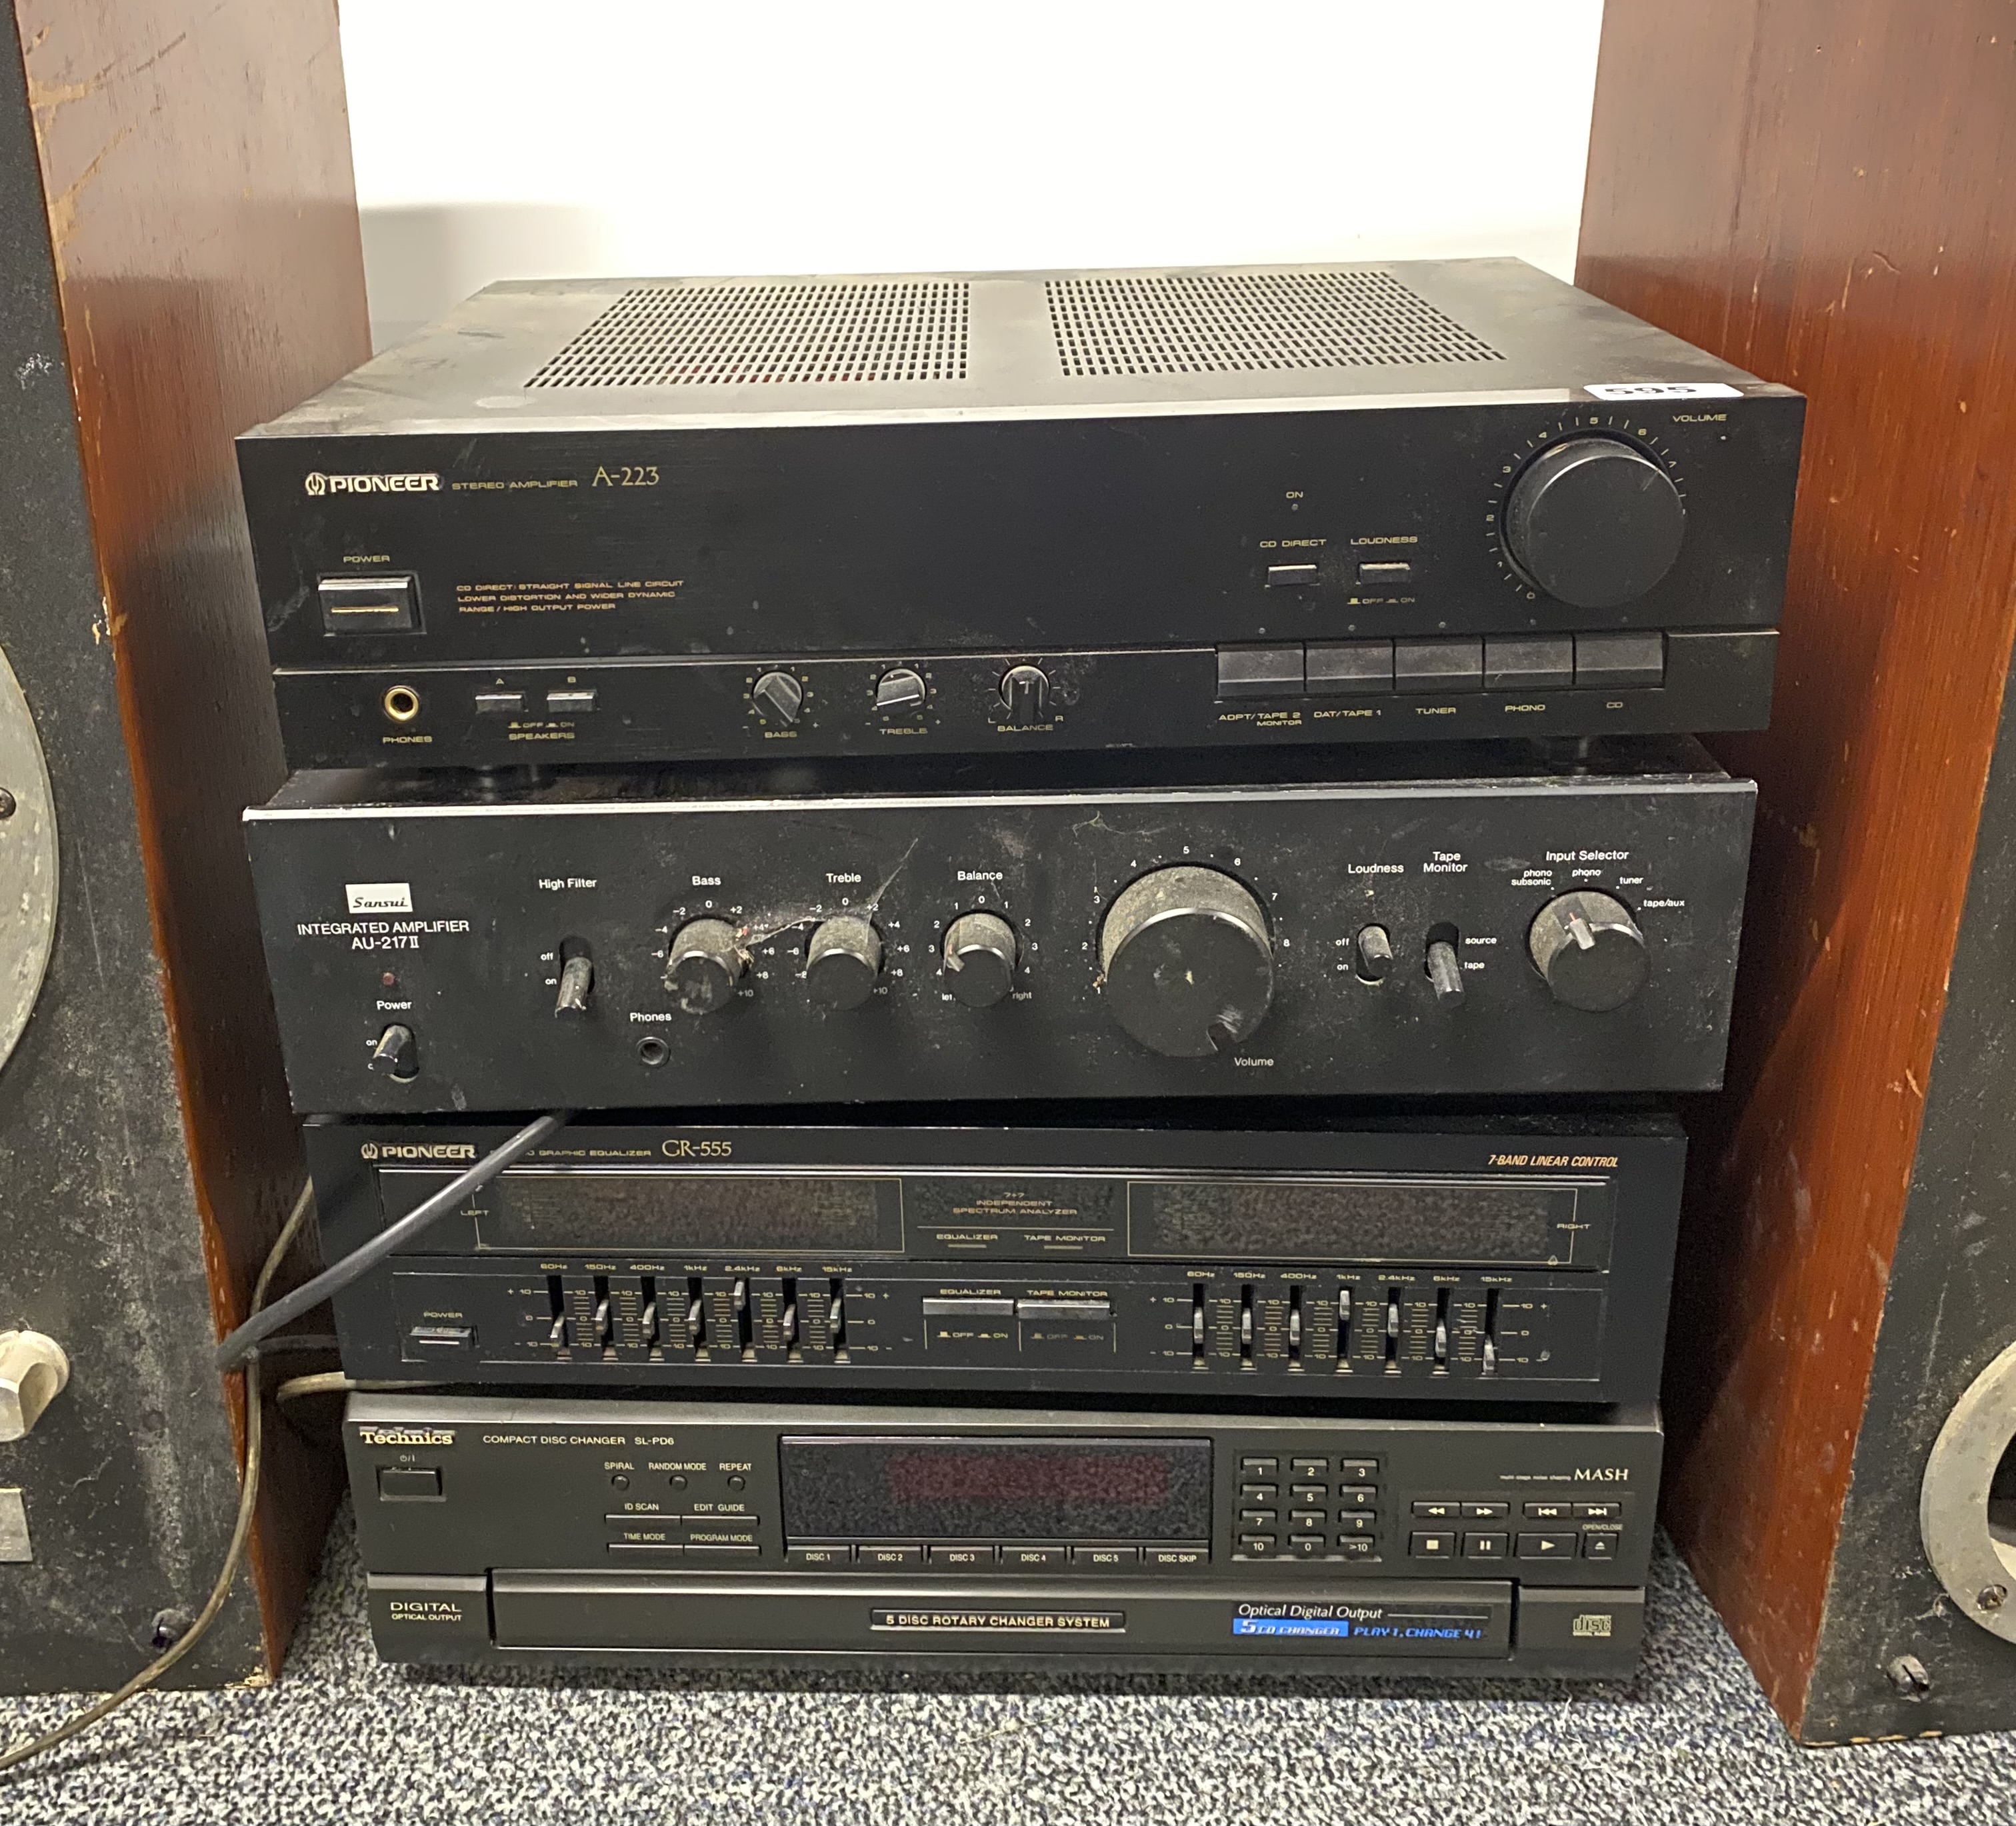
(361, 1261)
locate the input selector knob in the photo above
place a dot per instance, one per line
(1588, 948)
(1188, 966)
(703, 965)
(979, 954)
(1594, 522)
(778, 697)
(843, 961)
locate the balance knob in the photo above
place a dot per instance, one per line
(1025, 694)
(703, 965)
(1594, 523)
(1187, 960)
(1590, 949)
(979, 954)
(843, 960)
(778, 697)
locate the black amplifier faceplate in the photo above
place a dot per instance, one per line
(413, 921)
(1480, 1262)
(505, 1530)
(1115, 529)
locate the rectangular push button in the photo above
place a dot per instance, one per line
(406, 1483)
(574, 701)
(370, 605)
(1438, 666)
(1259, 671)
(1617, 662)
(1346, 668)
(889, 1558)
(1548, 1547)
(1385, 574)
(1283, 576)
(1032, 1559)
(819, 1559)
(499, 703)
(1528, 664)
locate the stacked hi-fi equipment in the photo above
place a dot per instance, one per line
(982, 966)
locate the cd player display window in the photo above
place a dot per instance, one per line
(997, 1490)
(695, 1213)
(1384, 1219)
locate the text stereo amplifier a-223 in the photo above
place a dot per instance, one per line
(614, 941)
(617, 522)
(747, 1535)
(1312, 1256)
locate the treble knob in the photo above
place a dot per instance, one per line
(703, 965)
(843, 961)
(1189, 968)
(1590, 950)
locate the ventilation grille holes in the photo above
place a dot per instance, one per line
(1233, 322)
(773, 335)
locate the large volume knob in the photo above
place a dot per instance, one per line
(979, 953)
(703, 965)
(1594, 523)
(1187, 960)
(843, 961)
(1588, 948)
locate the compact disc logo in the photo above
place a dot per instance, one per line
(412, 482)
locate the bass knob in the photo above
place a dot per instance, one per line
(703, 965)
(1189, 968)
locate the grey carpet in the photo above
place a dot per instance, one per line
(343, 1737)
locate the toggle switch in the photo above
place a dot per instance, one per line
(1445, 973)
(577, 978)
(1374, 949)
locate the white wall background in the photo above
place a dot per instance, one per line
(528, 138)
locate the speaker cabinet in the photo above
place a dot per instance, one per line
(1822, 191)
(179, 259)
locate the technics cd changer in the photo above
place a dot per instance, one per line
(741, 1534)
(621, 521)
(1508, 1260)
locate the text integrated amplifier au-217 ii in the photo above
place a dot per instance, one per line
(1314, 1256)
(614, 941)
(747, 1535)
(620, 522)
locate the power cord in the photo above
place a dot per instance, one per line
(361, 1261)
(248, 1498)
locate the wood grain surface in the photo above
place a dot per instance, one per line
(196, 164)
(1824, 192)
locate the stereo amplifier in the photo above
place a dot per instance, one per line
(645, 1531)
(1508, 1259)
(620, 522)
(607, 942)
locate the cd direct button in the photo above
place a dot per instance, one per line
(1259, 671)
(1283, 576)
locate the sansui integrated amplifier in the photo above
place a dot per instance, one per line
(634, 521)
(1508, 1260)
(613, 941)
(743, 1535)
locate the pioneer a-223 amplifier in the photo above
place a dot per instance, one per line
(614, 941)
(1310, 1255)
(618, 522)
(648, 1531)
